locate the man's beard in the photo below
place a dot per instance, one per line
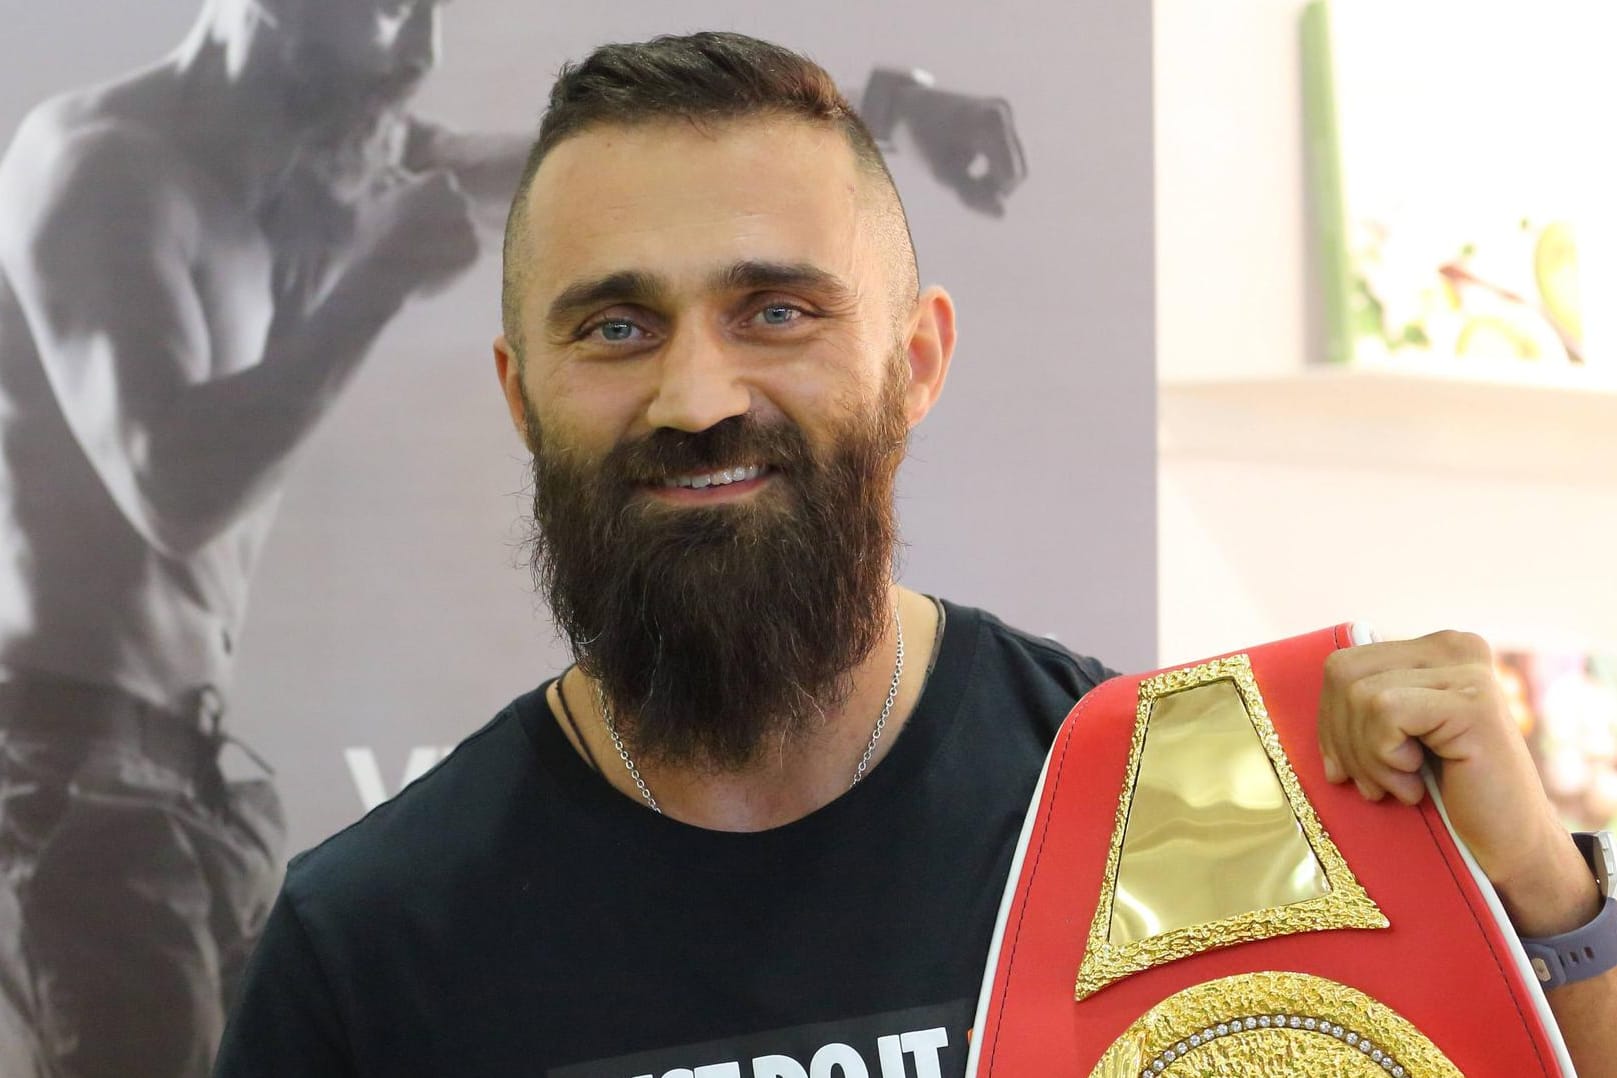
(716, 630)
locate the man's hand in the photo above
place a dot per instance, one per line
(486, 166)
(415, 235)
(969, 143)
(1388, 707)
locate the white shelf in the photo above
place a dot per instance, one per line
(1510, 421)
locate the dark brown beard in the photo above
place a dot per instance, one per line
(717, 629)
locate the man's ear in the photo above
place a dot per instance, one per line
(509, 369)
(929, 347)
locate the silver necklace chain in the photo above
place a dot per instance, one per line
(887, 705)
(859, 772)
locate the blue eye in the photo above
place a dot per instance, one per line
(779, 314)
(616, 329)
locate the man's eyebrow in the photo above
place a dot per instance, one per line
(649, 290)
(625, 286)
(760, 276)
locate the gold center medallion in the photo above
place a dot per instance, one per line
(1273, 1025)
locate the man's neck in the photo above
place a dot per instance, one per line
(807, 772)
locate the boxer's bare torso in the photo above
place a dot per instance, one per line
(186, 282)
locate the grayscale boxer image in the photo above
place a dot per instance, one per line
(196, 258)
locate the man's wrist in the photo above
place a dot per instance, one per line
(1588, 949)
(1552, 894)
(369, 292)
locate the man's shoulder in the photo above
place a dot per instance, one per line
(440, 826)
(1018, 653)
(66, 151)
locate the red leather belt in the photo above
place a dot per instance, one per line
(1192, 897)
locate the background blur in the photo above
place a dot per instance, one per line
(1430, 489)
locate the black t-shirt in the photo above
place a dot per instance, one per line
(512, 914)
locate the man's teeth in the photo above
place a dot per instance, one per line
(716, 479)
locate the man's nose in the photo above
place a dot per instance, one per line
(700, 382)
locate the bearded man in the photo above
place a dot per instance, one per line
(762, 827)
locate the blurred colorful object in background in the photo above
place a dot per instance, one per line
(1458, 180)
(1566, 703)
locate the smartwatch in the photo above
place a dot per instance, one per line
(1592, 949)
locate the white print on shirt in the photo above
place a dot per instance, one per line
(367, 773)
(836, 1060)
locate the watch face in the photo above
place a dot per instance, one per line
(1603, 858)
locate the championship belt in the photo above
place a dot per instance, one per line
(1192, 899)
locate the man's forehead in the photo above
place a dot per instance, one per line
(765, 142)
(680, 199)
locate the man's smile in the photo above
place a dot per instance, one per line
(706, 487)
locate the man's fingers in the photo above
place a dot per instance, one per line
(1441, 649)
(1448, 709)
(1376, 724)
(1377, 729)
(1409, 789)
(1333, 769)
(1405, 757)
(1002, 145)
(1376, 782)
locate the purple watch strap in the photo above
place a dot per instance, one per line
(1584, 952)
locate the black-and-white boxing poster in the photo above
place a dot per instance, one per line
(261, 509)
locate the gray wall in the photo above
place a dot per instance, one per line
(388, 612)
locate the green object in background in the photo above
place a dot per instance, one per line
(1324, 167)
